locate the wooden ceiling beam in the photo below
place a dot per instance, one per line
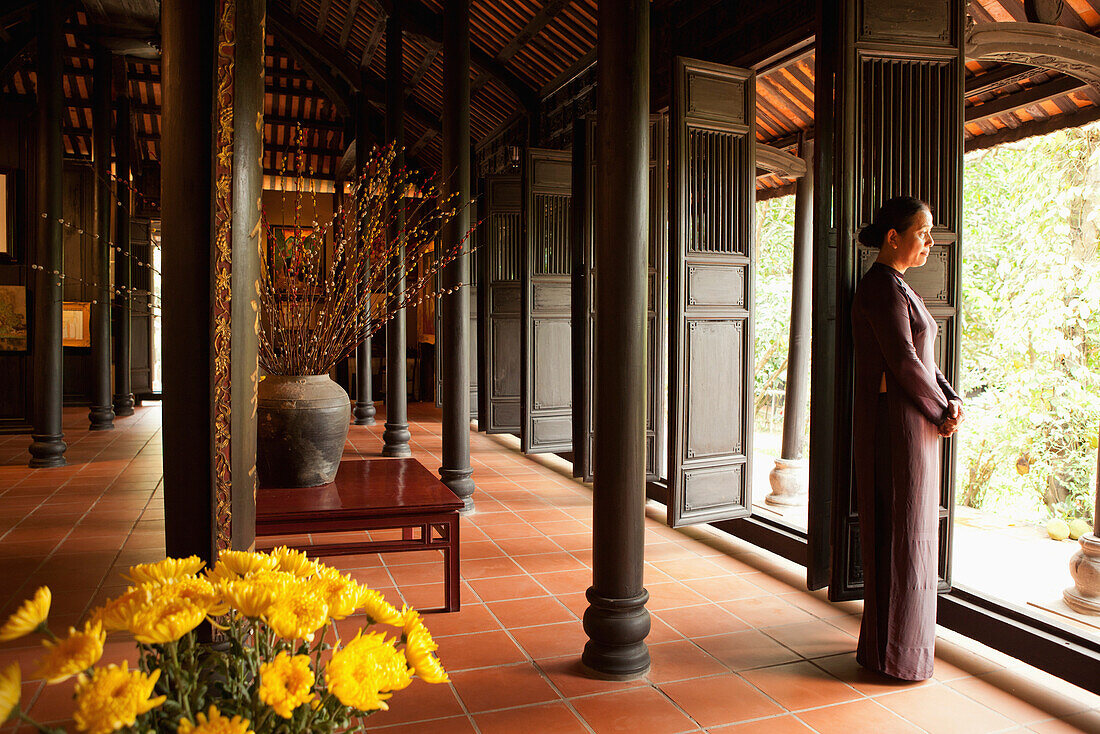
(422, 68)
(349, 21)
(328, 84)
(993, 80)
(375, 38)
(322, 15)
(533, 28)
(1025, 98)
(422, 21)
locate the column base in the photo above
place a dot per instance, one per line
(47, 450)
(101, 418)
(1084, 596)
(363, 414)
(124, 405)
(616, 630)
(462, 484)
(397, 438)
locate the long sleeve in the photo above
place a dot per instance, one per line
(948, 391)
(887, 310)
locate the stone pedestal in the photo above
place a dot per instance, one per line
(1084, 596)
(788, 480)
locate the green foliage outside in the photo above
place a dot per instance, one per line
(1030, 359)
(1031, 327)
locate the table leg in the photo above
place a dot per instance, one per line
(451, 577)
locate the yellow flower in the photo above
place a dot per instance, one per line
(113, 698)
(294, 561)
(285, 683)
(340, 592)
(117, 613)
(27, 617)
(419, 649)
(363, 673)
(297, 613)
(202, 593)
(79, 651)
(167, 617)
(378, 609)
(170, 569)
(249, 597)
(213, 722)
(9, 690)
(241, 563)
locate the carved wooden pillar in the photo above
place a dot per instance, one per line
(788, 477)
(211, 141)
(124, 137)
(364, 409)
(47, 442)
(101, 416)
(456, 472)
(396, 435)
(616, 620)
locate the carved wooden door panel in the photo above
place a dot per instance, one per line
(712, 191)
(500, 262)
(902, 84)
(547, 338)
(584, 295)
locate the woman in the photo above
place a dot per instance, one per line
(903, 404)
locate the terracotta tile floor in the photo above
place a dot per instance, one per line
(737, 645)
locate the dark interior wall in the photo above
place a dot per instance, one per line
(78, 206)
(16, 158)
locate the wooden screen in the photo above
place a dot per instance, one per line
(141, 315)
(547, 340)
(500, 264)
(712, 190)
(903, 88)
(584, 177)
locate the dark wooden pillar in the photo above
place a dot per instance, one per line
(124, 136)
(616, 620)
(47, 442)
(788, 478)
(364, 410)
(456, 471)
(101, 416)
(187, 236)
(396, 436)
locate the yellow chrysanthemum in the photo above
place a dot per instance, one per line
(113, 698)
(366, 670)
(297, 613)
(341, 592)
(170, 569)
(213, 722)
(9, 690)
(117, 613)
(420, 649)
(294, 561)
(241, 563)
(378, 609)
(28, 616)
(166, 618)
(249, 597)
(79, 651)
(286, 683)
(202, 593)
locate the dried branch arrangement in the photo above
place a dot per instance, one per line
(316, 301)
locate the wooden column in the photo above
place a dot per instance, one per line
(47, 442)
(396, 435)
(101, 416)
(788, 477)
(124, 137)
(363, 412)
(616, 620)
(187, 235)
(456, 471)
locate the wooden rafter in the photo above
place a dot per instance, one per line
(1024, 98)
(349, 21)
(371, 46)
(534, 26)
(322, 15)
(422, 141)
(422, 68)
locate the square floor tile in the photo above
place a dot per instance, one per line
(633, 712)
(798, 686)
(502, 687)
(720, 699)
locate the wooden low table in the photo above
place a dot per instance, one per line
(375, 494)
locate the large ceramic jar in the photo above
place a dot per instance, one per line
(302, 425)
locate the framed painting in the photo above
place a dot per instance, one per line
(8, 186)
(297, 255)
(13, 318)
(76, 319)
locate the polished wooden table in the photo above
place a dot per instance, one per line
(371, 494)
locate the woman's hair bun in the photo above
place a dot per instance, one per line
(896, 213)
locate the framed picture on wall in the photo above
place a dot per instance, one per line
(298, 256)
(76, 318)
(8, 185)
(13, 318)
